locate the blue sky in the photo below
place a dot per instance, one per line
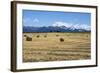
(38, 18)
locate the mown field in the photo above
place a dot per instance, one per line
(48, 46)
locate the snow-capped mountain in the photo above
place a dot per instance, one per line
(62, 28)
(72, 26)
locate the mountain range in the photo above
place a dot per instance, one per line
(53, 29)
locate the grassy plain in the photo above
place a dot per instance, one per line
(48, 47)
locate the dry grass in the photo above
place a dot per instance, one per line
(76, 46)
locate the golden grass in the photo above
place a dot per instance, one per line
(76, 46)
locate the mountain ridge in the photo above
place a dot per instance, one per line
(53, 29)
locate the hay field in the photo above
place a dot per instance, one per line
(48, 47)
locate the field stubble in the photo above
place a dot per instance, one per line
(48, 47)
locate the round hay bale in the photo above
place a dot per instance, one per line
(61, 39)
(28, 39)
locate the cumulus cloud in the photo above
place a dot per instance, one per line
(72, 26)
(30, 21)
(25, 20)
(36, 20)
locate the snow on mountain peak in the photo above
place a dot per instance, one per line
(72, 26)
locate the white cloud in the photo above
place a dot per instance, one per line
(73, 26)
(30, 21)
(25, 20)
(35, 20)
